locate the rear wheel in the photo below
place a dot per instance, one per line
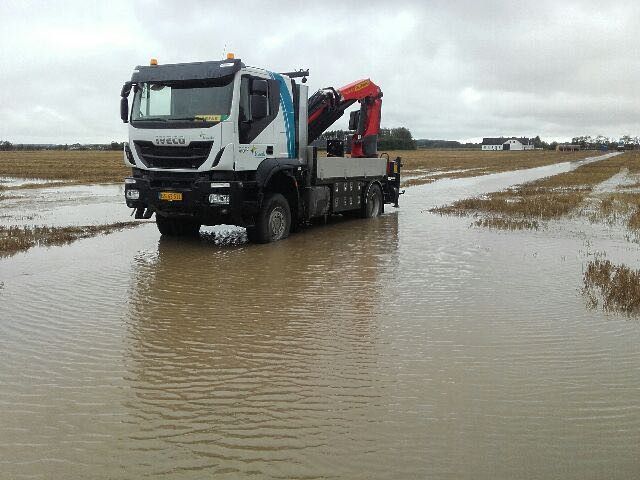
(177, 227)
(252, 236)
(273, 222)
(373, 202)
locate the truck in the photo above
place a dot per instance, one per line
(220, 142)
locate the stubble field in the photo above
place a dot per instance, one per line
(64, 168)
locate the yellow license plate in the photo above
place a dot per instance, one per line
(171, 196)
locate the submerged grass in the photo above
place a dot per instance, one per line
(525, 206)
(507, 223)
(616, 286)
(14, 239)
(634, 220)
(622, 203)
(64, 166)
(616, 206)
(551, 197)
(467, 163)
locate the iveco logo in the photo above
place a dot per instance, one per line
(175, 140)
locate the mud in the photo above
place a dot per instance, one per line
(408, 346)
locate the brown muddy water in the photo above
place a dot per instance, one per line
(408, 346)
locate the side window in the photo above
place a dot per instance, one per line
(244, 100)
(155, 100)
(248, 127)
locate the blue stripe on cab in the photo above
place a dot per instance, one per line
(286, 104)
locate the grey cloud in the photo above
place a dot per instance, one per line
(448, 69)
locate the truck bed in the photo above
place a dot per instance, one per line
(346, 167)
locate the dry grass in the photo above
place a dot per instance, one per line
(108, 167)
(65, 166)
(550, 197)
(14, 239)
(476, 162)
(617, 286)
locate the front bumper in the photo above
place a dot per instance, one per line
(195, 199)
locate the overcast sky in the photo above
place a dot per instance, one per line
(448, 69)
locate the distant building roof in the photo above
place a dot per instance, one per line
(493, 141)
(502, 140)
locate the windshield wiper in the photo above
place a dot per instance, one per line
(193, 119)
(171, 119)
(150, 119)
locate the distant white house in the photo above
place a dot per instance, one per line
(511, 143)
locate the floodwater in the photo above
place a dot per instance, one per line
(408, 346)
(65, 205)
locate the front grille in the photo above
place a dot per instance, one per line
(161, 156)
(180, 181)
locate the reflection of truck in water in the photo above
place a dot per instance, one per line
(222, 143)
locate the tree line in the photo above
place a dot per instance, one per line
(599, 141)
(399, 138)
(6, 145)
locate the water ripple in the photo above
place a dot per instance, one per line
(408, 346)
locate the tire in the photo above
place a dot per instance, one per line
(373, 204)
(273, 222)
(177, 227)
(252, 235)
(165, 225)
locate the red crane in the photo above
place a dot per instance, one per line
(328, 105)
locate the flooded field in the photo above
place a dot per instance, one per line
(64, 205)
(428, 165)
(408, 346)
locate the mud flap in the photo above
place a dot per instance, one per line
(143, 213)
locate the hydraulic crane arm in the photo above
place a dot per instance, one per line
(328, 105)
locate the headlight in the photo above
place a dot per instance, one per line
(220, 199)
(133, 194)
(129, 181)
(220, 185)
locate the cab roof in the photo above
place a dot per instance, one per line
(213, 70)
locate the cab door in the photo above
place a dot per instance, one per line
(259, 106)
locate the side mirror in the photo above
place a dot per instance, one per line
(126, 88)
(124, 109)
(259, 107)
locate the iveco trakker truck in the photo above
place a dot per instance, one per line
(220, 142)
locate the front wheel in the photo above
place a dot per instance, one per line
(177, 227)
(373, 202)
(273, 222)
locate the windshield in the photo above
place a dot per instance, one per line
(168, 102)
